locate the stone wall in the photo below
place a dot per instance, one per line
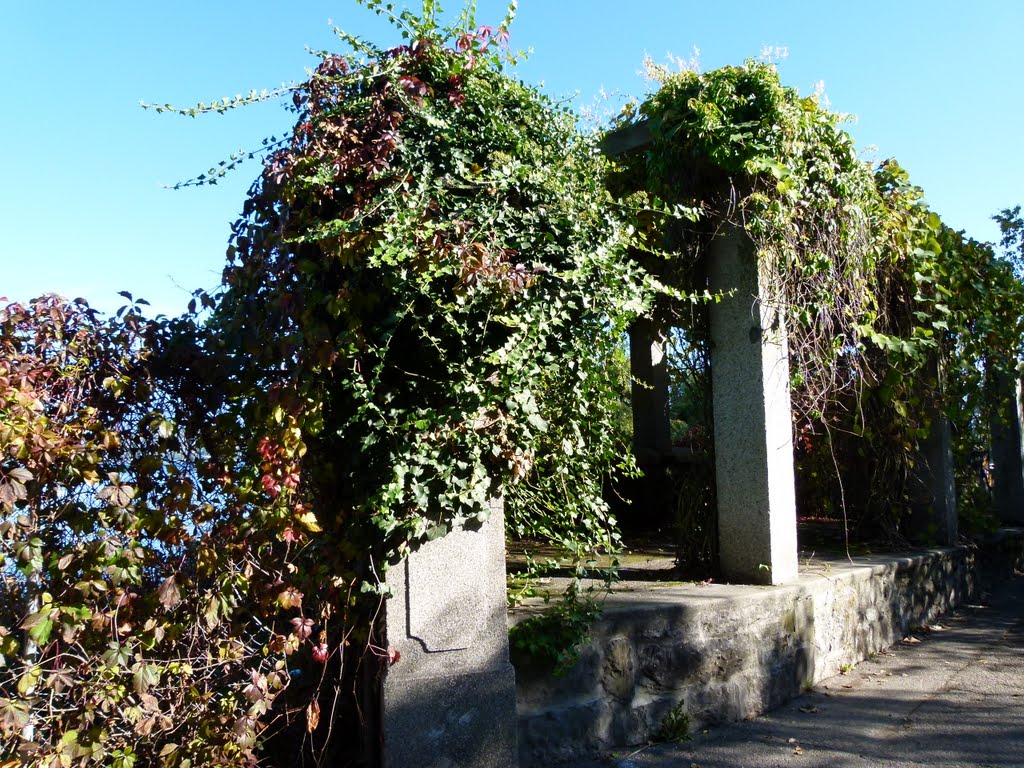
(729, 652)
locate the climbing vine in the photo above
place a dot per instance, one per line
(420, 300)
(421, 279)
(122, 638)
(870, 282)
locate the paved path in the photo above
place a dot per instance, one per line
(952, 697)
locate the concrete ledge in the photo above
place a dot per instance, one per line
(729, 652)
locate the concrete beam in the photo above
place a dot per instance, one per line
(752, 418)
(450, 700)
(632, 137)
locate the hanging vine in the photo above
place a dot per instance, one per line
(868, 277)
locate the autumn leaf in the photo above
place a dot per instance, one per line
(303, 627)
(20, 474)
(290, 598)
(312, 716)
(11, 491)
(309, 522)
(14, 715)
(149, 702)
(144, 676)
(145, 726)
(169, 593)
(117, 494)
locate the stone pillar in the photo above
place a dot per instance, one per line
(450, 700)
(651, 494)
(1008, 453)
(652, 436)
(753, 421)
(933, 503)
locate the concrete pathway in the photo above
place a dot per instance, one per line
(953, 695)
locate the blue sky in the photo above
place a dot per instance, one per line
(84, 211)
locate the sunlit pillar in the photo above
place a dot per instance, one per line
(752, 418)
(449, 697)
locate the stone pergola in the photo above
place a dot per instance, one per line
(450, 700)
(753, 439)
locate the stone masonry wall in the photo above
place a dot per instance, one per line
(729, 652)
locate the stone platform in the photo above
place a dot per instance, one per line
(724, 652)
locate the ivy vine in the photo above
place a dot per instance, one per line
(420, 301)
(875, 289)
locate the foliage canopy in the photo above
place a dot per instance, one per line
(875, 290)
(419, 301)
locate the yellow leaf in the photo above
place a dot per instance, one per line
(309, 522)
(290, 598)
(29, 680)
